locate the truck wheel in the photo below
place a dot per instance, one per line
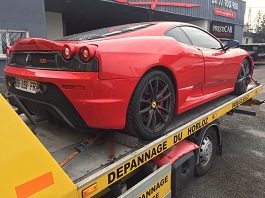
(242, 78)
(207, 152)
(151, 106)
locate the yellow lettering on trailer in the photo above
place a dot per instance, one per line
(158, 189)
(178, 137)
(240, 101)
(136, 162)
(133, 164)
(195, 127)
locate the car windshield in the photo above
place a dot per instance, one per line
(105, 32)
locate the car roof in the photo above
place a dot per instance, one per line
(157, 28)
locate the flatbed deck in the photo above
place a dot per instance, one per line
(94, 164)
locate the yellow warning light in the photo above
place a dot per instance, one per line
(215, 116)
(89, 190)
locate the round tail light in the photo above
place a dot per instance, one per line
(68, 52)
(86, 53)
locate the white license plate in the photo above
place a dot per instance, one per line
(27, 85)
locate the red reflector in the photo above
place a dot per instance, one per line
(214, 115)
(89, 190)
(43, 60)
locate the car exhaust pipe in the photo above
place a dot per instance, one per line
(43, 87)
(11, 81)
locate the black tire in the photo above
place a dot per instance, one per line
(207, 152)
(242, 78)
(151, 106)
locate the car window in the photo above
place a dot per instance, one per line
(255, 48)
(247, 48)
(178, 35)
(261, 48)
(105, 32)
(200, 38)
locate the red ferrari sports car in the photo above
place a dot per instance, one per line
(131, 77)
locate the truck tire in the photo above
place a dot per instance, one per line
(207, 150)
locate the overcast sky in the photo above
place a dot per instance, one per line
(255, 6)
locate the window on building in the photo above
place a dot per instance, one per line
(8, 37)
(246, 40)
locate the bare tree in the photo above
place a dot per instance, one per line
(259, 28)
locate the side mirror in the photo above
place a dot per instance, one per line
(232, 43)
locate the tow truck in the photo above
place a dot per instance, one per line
(41, 160)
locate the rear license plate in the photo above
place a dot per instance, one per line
(27, 85)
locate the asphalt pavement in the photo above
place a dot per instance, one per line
(240, 171)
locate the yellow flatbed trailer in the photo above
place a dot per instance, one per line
(30, 163)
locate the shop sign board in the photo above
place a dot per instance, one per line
(155, 3)
(223, 31)
(226, 4)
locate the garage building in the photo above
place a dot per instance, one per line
(54, 19)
